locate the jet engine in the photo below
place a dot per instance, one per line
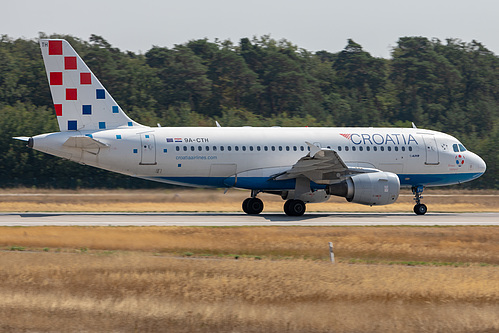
(376, 188)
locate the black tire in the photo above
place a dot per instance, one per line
(253, 206)
(420, 209)
(294, 207)
(245, 205)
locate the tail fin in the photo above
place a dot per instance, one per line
(80, 100)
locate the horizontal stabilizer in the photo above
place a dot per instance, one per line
(22, 138)
(84, 142)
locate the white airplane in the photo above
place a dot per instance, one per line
(302, 165)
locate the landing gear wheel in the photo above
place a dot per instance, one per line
(420, 209)
(252, 206)
(294, 207)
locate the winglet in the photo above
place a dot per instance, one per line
(313, 149)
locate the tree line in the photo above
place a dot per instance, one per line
(450, 86)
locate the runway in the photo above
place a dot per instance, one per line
(241, 219)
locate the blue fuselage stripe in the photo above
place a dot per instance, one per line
(265, 183)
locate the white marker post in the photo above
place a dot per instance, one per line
(331, 253)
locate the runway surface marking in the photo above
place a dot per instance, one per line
(241, 219)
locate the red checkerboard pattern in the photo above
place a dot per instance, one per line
(71, 94)
(85, 78)
(56, 78)
(58, 109)
(70, 63)
(55, 47)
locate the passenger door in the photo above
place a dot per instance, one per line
(148, 149)
(431, 149)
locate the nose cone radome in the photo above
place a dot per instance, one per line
(481, 166)
(477, 165)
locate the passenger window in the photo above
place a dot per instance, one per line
(177, 148)
(200, 148)
(410, 148)
(185, 148)
(396, 148)
(251, 148)
(295, 148)
(403, 148)
(280, 148)
(222, 148)
(389, 148)
(257, 148)
(207, 148)
(243, 148)
(368, 148)
(354, 148)
(339, 148)
(302, 148)
(265, 148)
(229, 148)
(382, 148)
(361, 148)
(287, 148)
(236, 148)
(375, 148)
(192, 148)
(273, 148)
(214, 148)
(346, 148)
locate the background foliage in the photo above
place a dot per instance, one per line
(450, 86)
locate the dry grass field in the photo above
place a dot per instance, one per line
(203, 200)
(174, 279)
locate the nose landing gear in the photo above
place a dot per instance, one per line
(419, 208)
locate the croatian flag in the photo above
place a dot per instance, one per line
(178, 139)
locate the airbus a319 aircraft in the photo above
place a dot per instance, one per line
(303, 165)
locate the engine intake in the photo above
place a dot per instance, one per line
(376, 188)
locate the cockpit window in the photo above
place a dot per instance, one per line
(458, 147)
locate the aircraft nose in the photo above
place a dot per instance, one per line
(478, 164)
(481, 165)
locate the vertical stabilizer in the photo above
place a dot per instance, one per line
(81, 102)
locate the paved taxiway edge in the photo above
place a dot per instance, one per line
(241, 219)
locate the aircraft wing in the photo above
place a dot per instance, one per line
(322, 166)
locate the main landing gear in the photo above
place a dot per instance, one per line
(253, 205)
(419, 208)
(294, 207)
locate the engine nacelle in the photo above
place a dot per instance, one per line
(309, 197)
(375, 188)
